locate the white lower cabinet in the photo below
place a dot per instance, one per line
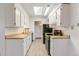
(18, 47)
(59, 47)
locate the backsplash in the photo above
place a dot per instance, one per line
(13, 30)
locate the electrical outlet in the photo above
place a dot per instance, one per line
(77, 24)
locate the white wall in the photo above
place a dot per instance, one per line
(73, 12)
(32, 19)
(38, 31)
(65, 15)
(74, 16)
(2, 29)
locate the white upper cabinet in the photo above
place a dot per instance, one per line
(16, 16)
(51, 19)
(12, 16)
(54, 17)
(60, 16)
(27, 21)
(22, 19)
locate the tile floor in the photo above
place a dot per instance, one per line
(37, 49)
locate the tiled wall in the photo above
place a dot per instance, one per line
(13, 30)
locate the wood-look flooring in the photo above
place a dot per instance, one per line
(37, 48)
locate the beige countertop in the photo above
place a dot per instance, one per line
(17, 35)
(61, 37)
(65, 36)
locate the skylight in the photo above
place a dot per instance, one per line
(38, 10)
(46, 12)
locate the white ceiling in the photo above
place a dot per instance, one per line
(29, 7)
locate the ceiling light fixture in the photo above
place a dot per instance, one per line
(38, 10)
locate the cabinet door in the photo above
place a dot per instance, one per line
(28, 43)
(60, 47)
(26, 21)
(14, 47)
(17, 19)
(51, 46)
(29, 40)
(22, 19)
(58, 16)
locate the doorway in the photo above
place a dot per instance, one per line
(38, 29)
